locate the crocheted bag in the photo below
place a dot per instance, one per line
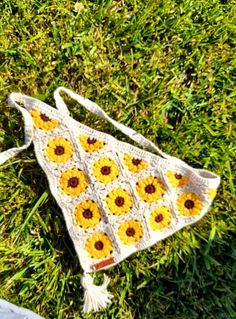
(116, 198)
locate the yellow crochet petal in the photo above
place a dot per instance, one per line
(105, 170)
(42, 121)
(135, 165)
(150, 189)
(211, 193)
(189, 204)
(59, 150)
(99, 246)
(176, 180)
(130, 232)
(73, 182)
(89, 144)
(119, 201)
(160, 218)
(87, 214)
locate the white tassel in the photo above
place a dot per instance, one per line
(95, 297)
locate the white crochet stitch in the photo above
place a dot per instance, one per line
(116, 198)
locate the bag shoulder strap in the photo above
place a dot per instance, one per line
(28, 127)
(97, 110)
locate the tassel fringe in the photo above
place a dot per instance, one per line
(95, 297)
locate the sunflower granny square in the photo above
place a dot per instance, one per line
(116, 198)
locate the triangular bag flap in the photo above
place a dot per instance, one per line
(116, 198)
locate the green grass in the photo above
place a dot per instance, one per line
(165, 68)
